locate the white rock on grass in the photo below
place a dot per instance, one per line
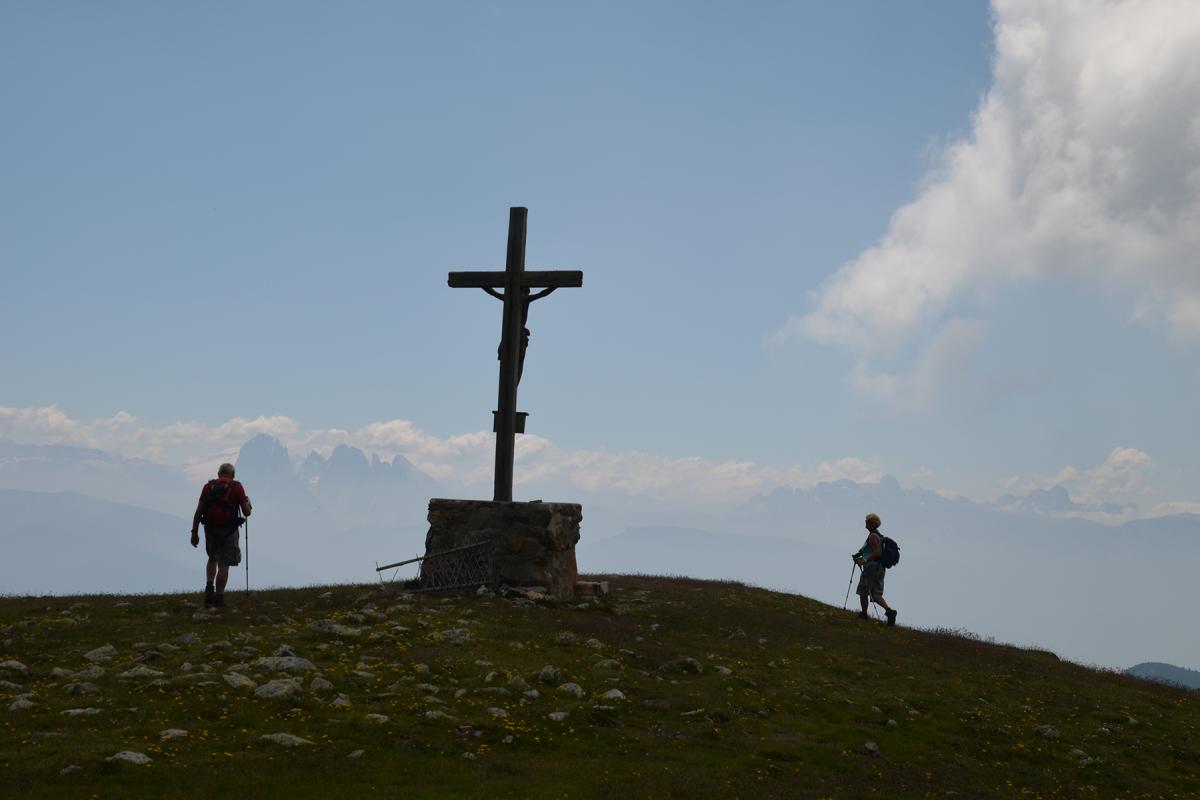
(285, 664)
(141, 671)
(281, 687)
(573, 689)
(285, 739)
(380, 718)
(105, 653)
(90, 673)
(22, 703)
(15, 667)
(341, 701)
(357, 754)
(10, 687)
(594, 644)
(131, 757)
(329, 626)
(558, 716)
(81, 712)
(173, 733)
(549, 674)
(497, 712)
(70, 769)
(239, 681)
(1049, 732)
(457, 636)
(614, 694)
(319, 684)
(83, 687)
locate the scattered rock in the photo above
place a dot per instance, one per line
(380, 718)
(557, 716)
(70, 769)
(614, 694)
(1049, 732)
(435, 714)
(871, 749)
(594, 644)
(281, 687)
(285, 664)
(284, 650)
(456, 636)
(58, 673)
(549, 674)
(723, 670)
(173, 733)
(891, 723)
(497, 712)
(341, 701)
(285, 739)
(607, 663)
(81, 712)
(90, 673)
(566, 638)
(427, 688)
(573, 689)
(22, 703)
(326, 596)
(239, 681)
(105, 653)
(82, 687)
(131, 757)
(686, 666)
(319, 684)
(330, 626)
(14, 667)
(356, 753)
(693, 713)
(469, 756)
(10, 687)
(141, 671)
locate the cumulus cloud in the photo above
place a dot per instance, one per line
(466, 458)
(919, 389)
(1082, 162)
(1122, 475)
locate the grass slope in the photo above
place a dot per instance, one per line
(729, 691)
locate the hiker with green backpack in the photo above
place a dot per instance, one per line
(875, 556)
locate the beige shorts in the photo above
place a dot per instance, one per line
(871, 580)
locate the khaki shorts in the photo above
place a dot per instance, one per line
(871, 580)
(222, 544)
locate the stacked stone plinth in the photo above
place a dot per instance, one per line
(531, 544)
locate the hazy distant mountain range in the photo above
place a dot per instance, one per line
(1167, 673)
(1018, 570)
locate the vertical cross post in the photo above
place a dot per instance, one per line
(510, 354)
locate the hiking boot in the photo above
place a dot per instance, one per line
(218, 601)
(891, 615)
(209, 593)
(862, 615)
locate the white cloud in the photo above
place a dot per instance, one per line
(1083, 162)
(946, 358)
(1122, 474)
(467, 458)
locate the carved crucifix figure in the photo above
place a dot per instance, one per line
(514, 335)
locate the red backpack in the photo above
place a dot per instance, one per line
(220, 508)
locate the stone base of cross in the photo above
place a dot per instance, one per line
(517, 286)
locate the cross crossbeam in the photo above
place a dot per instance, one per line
(514, 336)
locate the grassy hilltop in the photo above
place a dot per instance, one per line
(722, 690)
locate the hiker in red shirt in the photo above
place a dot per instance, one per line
(220, 501)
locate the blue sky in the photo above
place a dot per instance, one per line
(820, 239)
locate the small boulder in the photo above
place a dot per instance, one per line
(573, 689)
(131, 757)
(14, 667)
(239, 681)
(285, 664)
(549, 674)
(172, 733)
(1049, 732)
(105, 653)
(285, 739)
(281, 687)
(141, 671)
(557, 716)
(614, 694)
(319, 684)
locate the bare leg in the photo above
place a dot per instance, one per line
(211, 570)
(879, 601)
(222, 577)
(863, 597)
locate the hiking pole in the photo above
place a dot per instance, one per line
(845, 602)
(247, 556)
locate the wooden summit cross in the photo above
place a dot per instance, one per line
(516, 283)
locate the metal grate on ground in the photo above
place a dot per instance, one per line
(458, 568)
